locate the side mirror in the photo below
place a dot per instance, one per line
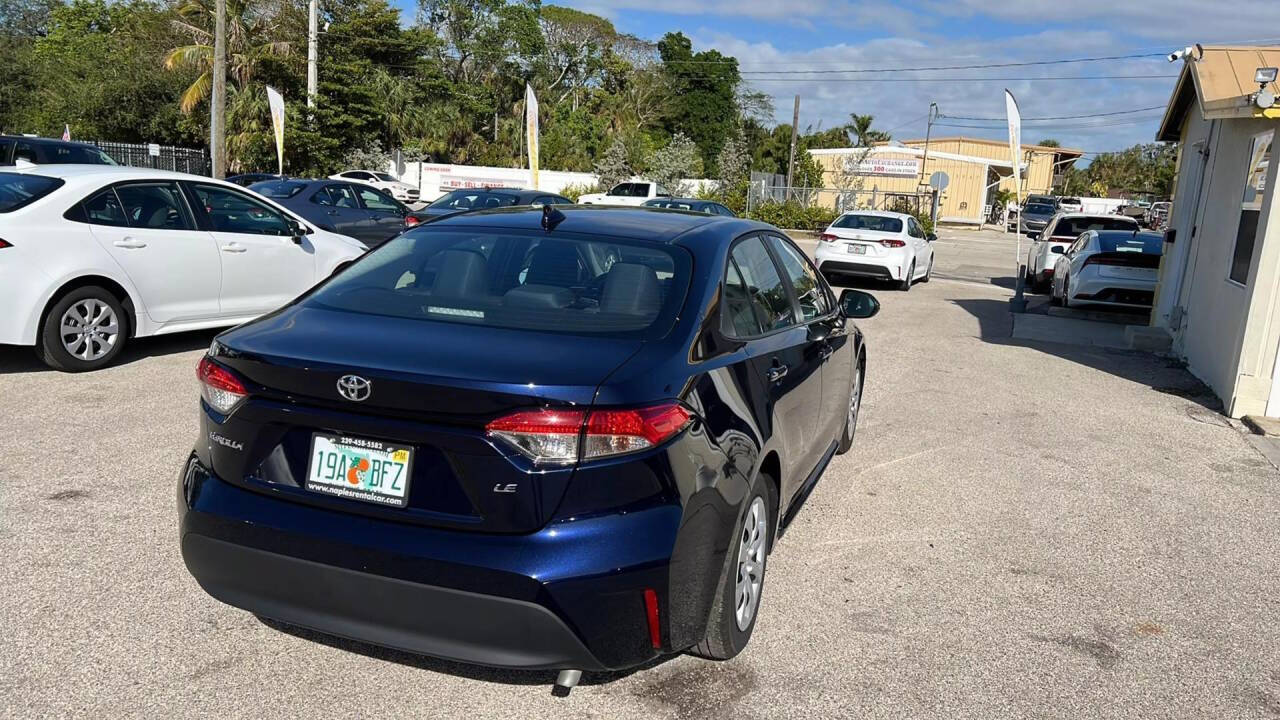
(1057, 249)
(296, 231)
(1033, 235)
(931, 237)
(858, 305)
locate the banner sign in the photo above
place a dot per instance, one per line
(898, 167)
(276, 101)
(531, 130)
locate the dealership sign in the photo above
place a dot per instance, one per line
(900, 167)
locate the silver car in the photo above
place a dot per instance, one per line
(1109, 267)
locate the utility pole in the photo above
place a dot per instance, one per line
(933, 115)
(313, 31)
(218, 99)
(791, 162)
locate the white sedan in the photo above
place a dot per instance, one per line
(1109, 267)
(93, 255)
(1047, 245)
(879, 245)
(402, 191)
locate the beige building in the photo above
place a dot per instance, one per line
(1219, 291)
(975, 168)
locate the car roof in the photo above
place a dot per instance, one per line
(678, 199)
(877, 213)
(634, 222)
(1075, 215)
(104, 173)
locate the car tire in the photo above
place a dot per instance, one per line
(726, 635)
(928, 273)
(1066, 299)
(855, 406)
(99, 330)
(905, 284)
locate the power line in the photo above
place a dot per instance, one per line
(981, 66)
(959, 79)
(1058, 117)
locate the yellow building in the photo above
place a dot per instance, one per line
(975, 169)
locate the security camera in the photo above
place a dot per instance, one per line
(1190, 52)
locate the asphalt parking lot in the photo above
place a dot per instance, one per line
(1021, 530)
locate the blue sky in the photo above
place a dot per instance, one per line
(790, 35)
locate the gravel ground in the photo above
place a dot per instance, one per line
(1021, 530)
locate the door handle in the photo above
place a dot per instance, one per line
(776, 373)
(233, 248)
(129, 243)
(331, 212)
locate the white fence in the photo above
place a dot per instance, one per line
(436, 179)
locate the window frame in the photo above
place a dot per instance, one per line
(786, 278)
(1241, 210)
(204, 222)
(786, 284)
(192, 224)
(396, 207)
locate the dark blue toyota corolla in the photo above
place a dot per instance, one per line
(563, 438)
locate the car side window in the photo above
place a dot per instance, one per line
(764, 285)
(737, 316)
(231, 211)
(344, 197)
(155, 206)
(374, 200)
(322, 197)
(5, 146)
(25, 151)
(810, 294)
(358, 175)
(104, 208)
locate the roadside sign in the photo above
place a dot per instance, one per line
(153, 149)
(939, 181)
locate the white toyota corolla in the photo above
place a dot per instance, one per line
(92, 255)
(879, 245)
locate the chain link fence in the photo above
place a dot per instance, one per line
(161, 157)
(840, 201)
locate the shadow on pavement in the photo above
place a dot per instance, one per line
(995, 326)
(17, 359)
(505, 676)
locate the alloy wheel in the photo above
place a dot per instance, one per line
(89, 329)
(752, 548)
(855, 400)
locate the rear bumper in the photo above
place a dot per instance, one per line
(877, 268)
(481, 629)
(1094, 288)
(568, 596)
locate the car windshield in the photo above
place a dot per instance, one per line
(1145, 243)
(278, 189)
(18, 189)
(1039, 209)
(630, 190)
(674, 205)
(386, 177)
(511, 279)
(473, 200)
(1074, 227)
(875, 223)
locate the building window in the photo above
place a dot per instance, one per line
(1255, 186)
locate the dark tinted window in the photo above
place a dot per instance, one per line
(280, 189)
(763, 284)
(1146, 243)
(5, 146)
(630, 190)
(376, 200)
(231, 211)
(53, 153)
(525, 281)
(738, 318)
(18, 189)
(336, 196)
(104, 209)
(675, 205)
(1037, 209)
(875, 223)
(473, 200)
(1073, 227)
(810, 294)
(157, 206)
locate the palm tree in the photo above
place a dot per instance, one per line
(246, 27)
(860, 126)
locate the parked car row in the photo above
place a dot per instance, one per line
(1088, 259)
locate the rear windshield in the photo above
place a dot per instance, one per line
(509, 279)
(278, 189)
(1041, 209)
(473, 200)
(18, 189)
(675, 205)
(385, 177)
(1074, 227)
(1145, 243)
(875, 223)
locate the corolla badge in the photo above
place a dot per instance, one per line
(354, 388)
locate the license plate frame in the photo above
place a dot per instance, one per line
(857, 249)
(383, 480)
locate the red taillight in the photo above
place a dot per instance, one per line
(651, 612)
(5, 244)
(558, 436)
(827, 237)
(410, 221)
(218, 386)
(893, 243)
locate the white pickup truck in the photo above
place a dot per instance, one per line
(634, 192)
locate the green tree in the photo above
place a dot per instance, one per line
(614, 167)
(1049, 142)
(864, 135)
(706, 84)
(678, 159)
(248, 45)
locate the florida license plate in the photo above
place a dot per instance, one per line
(360, 469)
(858, 249)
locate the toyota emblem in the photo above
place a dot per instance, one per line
(354, 388)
